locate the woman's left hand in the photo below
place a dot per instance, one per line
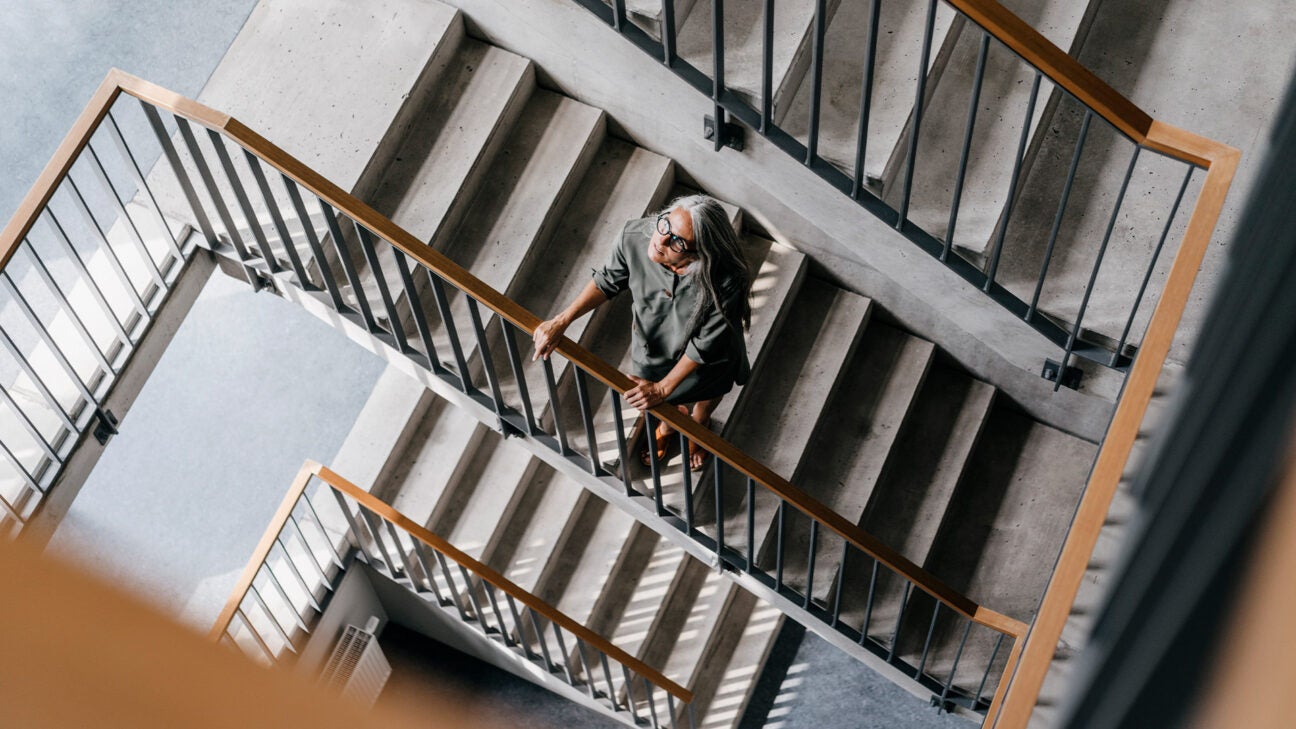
(647, 394)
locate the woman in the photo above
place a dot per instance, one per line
(690, 287)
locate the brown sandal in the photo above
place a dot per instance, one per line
(697, 450)
(661, 443)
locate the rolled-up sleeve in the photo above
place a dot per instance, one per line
(614, 276)
(714, 342)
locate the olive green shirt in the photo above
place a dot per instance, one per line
(663, 304)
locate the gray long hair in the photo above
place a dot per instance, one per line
(719, 257)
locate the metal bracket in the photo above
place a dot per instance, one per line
(1068, 378)
(260, 281)
(105, 427)
(731, 135)
(946, 706)
(509, 430)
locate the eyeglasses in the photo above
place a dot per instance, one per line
(676, 243)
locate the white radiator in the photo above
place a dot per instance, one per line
(357, 668)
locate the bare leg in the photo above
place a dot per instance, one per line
(702, 415)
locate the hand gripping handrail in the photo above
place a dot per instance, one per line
(312, 470)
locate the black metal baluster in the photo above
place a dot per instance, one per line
(990, 664)
(650, 432)
(810, 566)
(255, 635)
(915, 126)
(1074, 335)
(9, 509)
(310, 555)
(277, 219)
(623, 449)
(719, 513)
(686, 472)
(114, 262)
(670, 708)
(866, 99)
(520, 636)
(488, 363)
(618, 15)
(895, 637)
(607, 677)
(44, 444)
(967, 145)
(443, 306)
(384, 292)
(717, 57)
(56, 407)
(751, 525)
(209, 182)
(73, 255)
(1057, 219)
(1147, 275)
(78, 323)
(868, 604)
(507, 329)
(931, 630)
(371, 520)
(668, 32)
(841, 579)
(317, 250)
(587, 418)
(448, 574)
(954, 668)
(551, 385)
(816, 79)
(119, 141)
(470, 590)
(1012, 184)
(335, 556)
(416, 310)
(585, 666)
(244, 203)
(400, 551)
(767, 67)
(630, 700)
(778, 547)
(283, 595)
(540, 638)
(354, 526)
(30, 480)
(562, 649)
(348, 266)
(173, 159)
(101, 176)
(489, 589)
(274, 621)
(420, 552)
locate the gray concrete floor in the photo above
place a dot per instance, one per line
(251, 385)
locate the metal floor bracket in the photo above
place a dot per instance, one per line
(731, 135)
(1069, 378)
(105, 426)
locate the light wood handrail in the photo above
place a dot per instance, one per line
(311, 469)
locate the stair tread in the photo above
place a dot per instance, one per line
(527, 181)
(583, 568)
(721, 695)
(471, 509)
(649, 592)
(530, 545)
(474, 101)
(796, 389)
(422, 471)
(687, 620)
(286, 70)
(909, 503)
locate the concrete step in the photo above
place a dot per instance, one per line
(455, 134)
(387, 424)
(686, 621)
(880, 386)
(927, 462)
(744, 36)
(895, 76)
(1005, 95)
(422, 472)
(484, 495)
(378, 60)
(522, 544)
(721, 695)
(647, 594)
(796, 390)
(647, 14)
(587, 563)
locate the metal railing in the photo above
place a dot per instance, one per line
(374, 275)
(317, 535)
(914, 182)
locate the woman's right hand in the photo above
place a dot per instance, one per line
(546, 337)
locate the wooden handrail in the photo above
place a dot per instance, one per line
(1221, 164)
(311, 469)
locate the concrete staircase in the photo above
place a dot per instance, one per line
(525, 188)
